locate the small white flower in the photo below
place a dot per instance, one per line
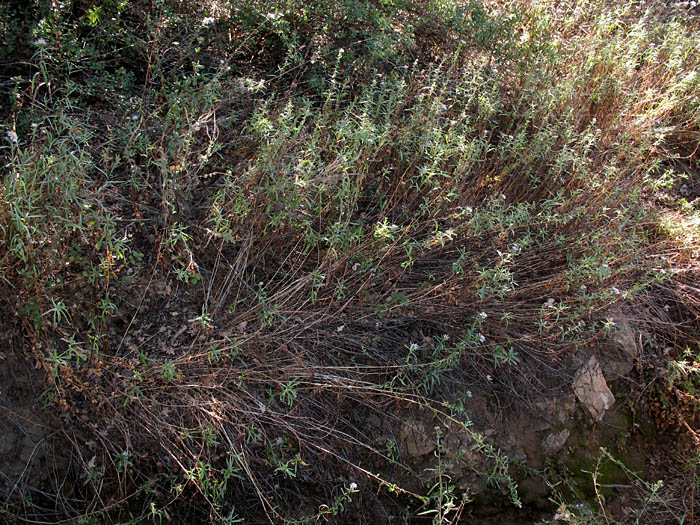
(489, 378)
(413, 347)
(340, 328)
(615, 290)
(483, 315)
(35, 125)
(39, 42)
(222, 61)
(12, 136)
(482, 338)
(515, 248)
(443, 107)
(207, 20)
(503, 197)
(468, 393)
(605, 266)
(445, 337)
(582, 287)
(353, 486)
(550, 301)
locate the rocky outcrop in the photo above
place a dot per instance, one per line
(554, 442)
(592, 390)
(619, 351)
(415, 439)
(553, 429)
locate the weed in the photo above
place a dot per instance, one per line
(356, 207)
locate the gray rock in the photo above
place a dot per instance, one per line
(619, 350)
(555, 441)
(592, 390)
(554, 411)
(415, 440)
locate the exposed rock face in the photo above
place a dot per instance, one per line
(555, 441)
(555, 410)
(620, 350)
(552, 429)
(592, 390)
(415, 440)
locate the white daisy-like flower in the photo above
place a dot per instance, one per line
(582, 287)
(12, 136)
(340, 328)
(208, 20)
(615, 291)
(353, 486)
(483, 315)
(482, 338)
(39, 42)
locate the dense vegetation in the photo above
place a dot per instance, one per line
(240, 240)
